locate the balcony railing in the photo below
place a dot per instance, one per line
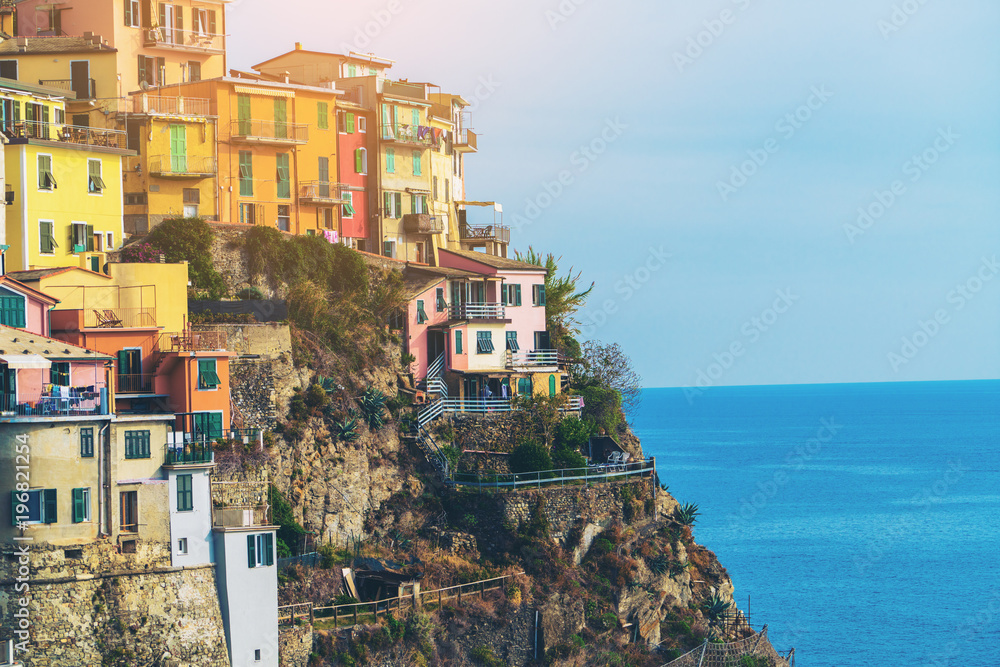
(188, 454)
(422, 223)
(477, 311)
(197, 341)
(134, 383)
(182, 166)
(175, 38)
(111, 318)
(269, 131)
(533, 358)
(74, 134)
(408, 134)
(497, 233)
(321, 192)
(466, 140)
(157, 104)
(84, 89)
(57, 404)
(240, 504)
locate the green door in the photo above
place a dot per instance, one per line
(243, 113)
(324, 177)
(552, 385)
(178, 149)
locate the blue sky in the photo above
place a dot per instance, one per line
(670, 98)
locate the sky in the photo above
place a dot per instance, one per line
(762, 191)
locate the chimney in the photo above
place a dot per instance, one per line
(287, 77)
(298, 46)
(88, 36)
(22, 44)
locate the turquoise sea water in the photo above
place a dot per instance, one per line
(862, 520)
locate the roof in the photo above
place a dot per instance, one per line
(20, 86)
(16, 341)
(52, 45)
(360, 57)
(37, 274)
(418, 279)
(18, 285)
(494, 261)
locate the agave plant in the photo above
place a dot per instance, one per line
(373, 406)
(716, 607)
(659, 564)
(687, 514)
(347, 430)
(329, 386)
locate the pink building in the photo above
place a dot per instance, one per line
(24, 308)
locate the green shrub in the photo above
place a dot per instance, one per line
(530, 456)
(608, 620)
(249, 294)
(190, 239)
(290, 531)
(485, 656)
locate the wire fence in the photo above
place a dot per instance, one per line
(753, 651)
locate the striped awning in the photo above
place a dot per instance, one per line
(266, 92)
(25, 361)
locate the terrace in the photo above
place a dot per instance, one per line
(412, 135)
(466, 141)
(176, 39)
(322, 193)
(238, 504)
(268, 132)
(182, 166)
(477, 311)
(170, 106)
(104, 307)
(84, 89)
(72, 134)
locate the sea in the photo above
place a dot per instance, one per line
(859, 522)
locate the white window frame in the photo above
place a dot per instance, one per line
(202, 30)
(52, 170)
(73, 227)
(55, 244)
(136, 14)
(110, 243)
(100, 173)
(182, 546)
(350, 200)
(361, 124)
(86, 506)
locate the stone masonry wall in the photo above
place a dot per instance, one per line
(294, 645)
(485, 462)
(251, 383)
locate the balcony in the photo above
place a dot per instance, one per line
(268, 132)
(179, 40)
(84, 89)
(533, 359)
(189, 454)
(422, 223)
(240, 504)
(182, 166)
(119, 318)
(170, 106)
(190, 341)
(411, 91)
(73, 134)
(494, 233)
(321, 193)
(73, 402)
(477, 311)
(466, 141)
(133, 383)
(411, 135)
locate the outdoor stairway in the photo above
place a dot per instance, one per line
(425, 442)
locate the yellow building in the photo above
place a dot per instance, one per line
(63, 183)
(174, 173)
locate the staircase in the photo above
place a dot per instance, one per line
(434, 382)
(425, 442)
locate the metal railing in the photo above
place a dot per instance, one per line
(85, 92)
(321, 190)
(189, 453)
(192, 341)
(499, 233)
(533, 358)
(467, 139)
(182, 165)
(134, 383)
(269, 131)
(180, 39)
(477, 311)
(73, 134)
(109, 318)
(161, 104)
(246, 436)
(73, 404)
(240, 504)
(595, 473)
(409, 134)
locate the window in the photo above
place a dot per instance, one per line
(524, 386)
(185, 495)
(361, 161)
(390, 160)
(208, 425)
(348, 205)
(111, 241)
(8, 69)
(132, 13)
(95, 184)
(192, 196)
(12, 310)
(34, 506)
(178, 149)
(284, 188)
(135, 198)
(87, 442)
(352, 70)
(393, 204)
(510, 294)
(130, 515)
(538, 295)
(415, 117)
(458, 342)
(81, 237)
(326, 218)
(421, 313)
(207, 376)
(362, 124)
(194, 68)
(137, 444)
(256, 655)
(260, 550)
(484, 342)
(59, 373)
(81, 505)
(246, 174)
(284, 217)
(152, 71)
(322, 116)
(389, 249)
(418, 204)
(46, 181)
(416, 164)
(440, 304)
(310, 232)
(512, 341)
(251, 214)
(182, 546)
(203, 22)
(243, 114)
(46, 237)
(434, 187)
(280, 118)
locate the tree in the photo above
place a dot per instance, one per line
(563, 299)
(607, 366)
(530, 456)
(190, 240)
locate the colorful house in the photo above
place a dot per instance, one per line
(64, 183)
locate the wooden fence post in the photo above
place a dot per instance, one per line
(417, 601)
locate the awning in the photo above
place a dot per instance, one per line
(266, 92)
(22, 361)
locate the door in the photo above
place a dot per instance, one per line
(552, 385)
(130, 512)
(243, 114)
(280, 118)
(178, 149)
(8, 389)
(541, 340)
(167, 18)
(435, 345)
(324, 178)
(79, 73)
(130, 371)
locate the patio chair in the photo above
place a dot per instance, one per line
(107, 318)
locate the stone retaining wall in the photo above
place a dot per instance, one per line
(294, 645)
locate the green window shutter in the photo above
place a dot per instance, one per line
(269, 549)
(390, 160)
(421, 314)
(352, 70)
(323, 118)
(512, 341)
(348, 210)
(145, 444)
(517, 295)
(416, 163)
(552, 385)
(79, 510)
(46, 237)
(324, 169)
(386, 203)
(458, 342)
(350, 123)
(357, 161)
(215, 424)
(413, 203)
(284, 190)
(246, 174)
(178, 149)
(128, 12)
(90, 238)
(280, 117)
(87, 442)
(251, 550)
(398, 198)
(51, 509)
(243, 114)
(415, 116)
(185, 500)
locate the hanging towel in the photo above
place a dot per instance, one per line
(422, 131)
